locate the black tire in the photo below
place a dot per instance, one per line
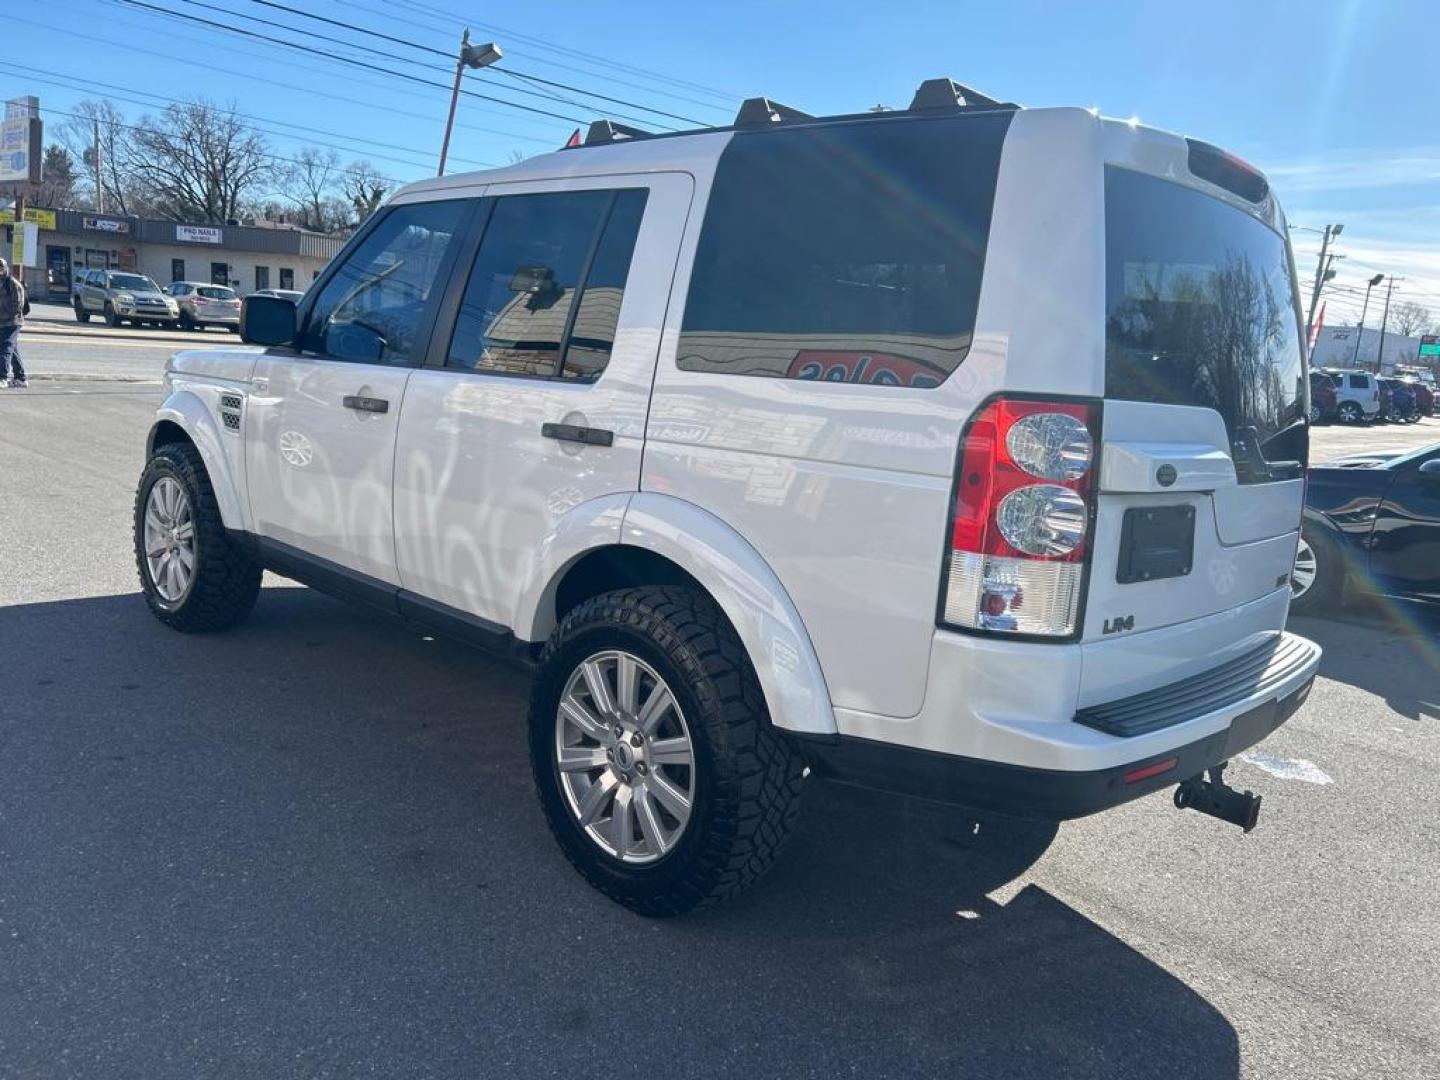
(186, 322)
(1350, 413)
(1325, 593)
(81, 315)
(747, 776)
(111, 319)
(1317, 414)
(226, 579)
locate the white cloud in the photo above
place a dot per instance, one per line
(1355, 170)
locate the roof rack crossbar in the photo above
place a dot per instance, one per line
(607, 131)
(761, 112)
(948, 94)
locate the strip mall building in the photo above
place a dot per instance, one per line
(245, 257)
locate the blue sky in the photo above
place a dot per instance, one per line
(1335, 99)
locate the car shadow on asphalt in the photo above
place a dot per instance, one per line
(1388, 647)
(311, 841)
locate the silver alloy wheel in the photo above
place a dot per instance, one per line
(624, 755)
(169, 539)
(1302, 578)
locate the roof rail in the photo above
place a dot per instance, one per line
(761, 112)
(607, 131)
(948, 94)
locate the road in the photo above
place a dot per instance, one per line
(308, 847)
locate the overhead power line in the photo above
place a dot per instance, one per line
(452, 57)
(347, 60)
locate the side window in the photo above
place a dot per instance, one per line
(845, 253)
(370, 308)
(543, 296)
(1359, 382)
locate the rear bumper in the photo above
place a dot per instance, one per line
(1050, 794)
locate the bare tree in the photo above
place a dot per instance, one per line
(365, 187)
(1411, 319)
(100, 119)
(197, 162)
(58, 179)
(311, 186)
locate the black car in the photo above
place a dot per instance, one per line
(1372, 524)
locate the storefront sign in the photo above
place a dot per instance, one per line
(44, 218)
(103, 224)
(199, 234)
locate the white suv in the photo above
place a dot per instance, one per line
(955, 451)
(1357, 395)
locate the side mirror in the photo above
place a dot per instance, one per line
(1431, 470)
(267, 320)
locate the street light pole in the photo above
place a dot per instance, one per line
(1322, 271)
(1355, 360)
(1380, 354)
(471, 56)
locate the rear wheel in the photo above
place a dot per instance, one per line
(1317, 414)
(654, 758)
(194, 576)
(81, 315)
(1350, 412)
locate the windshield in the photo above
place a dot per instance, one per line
(1201, 311)
(216, 292)
(133, 281)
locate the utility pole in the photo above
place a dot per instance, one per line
(1380, 356)
(471, 56)
(1323, 271)
(99, 170)
(1355, 360)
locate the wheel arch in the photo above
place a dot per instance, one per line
(183, 418)
(665, 540)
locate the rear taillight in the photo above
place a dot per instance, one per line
(1024, 507)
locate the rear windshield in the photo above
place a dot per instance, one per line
(846, 252)
(216, 292)
(1201, 310)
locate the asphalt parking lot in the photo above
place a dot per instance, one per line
(308, 847)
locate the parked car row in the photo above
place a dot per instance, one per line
(120, 297)
(1355, 397)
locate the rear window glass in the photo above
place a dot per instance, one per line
(216, 292)
(845, 252)
(1360, 382)
(1201, 310)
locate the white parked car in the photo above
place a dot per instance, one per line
(942, 451)
(1357, 395)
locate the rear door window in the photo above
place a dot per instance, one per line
(1359, 382)
(846, 252)
(1202, 311)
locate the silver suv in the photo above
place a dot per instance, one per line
(202, 304)
(119, 296)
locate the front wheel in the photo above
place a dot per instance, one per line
(1350, 413)
(111, 318)
(656, 765)
(194, 576)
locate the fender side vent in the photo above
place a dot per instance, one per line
(230, 409)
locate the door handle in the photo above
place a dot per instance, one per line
(574, 433)
(365, 404)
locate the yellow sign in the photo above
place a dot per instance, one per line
(44, 218)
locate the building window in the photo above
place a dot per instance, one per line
(219, 273)
(287, 278)
(177, 269)
(262, 278)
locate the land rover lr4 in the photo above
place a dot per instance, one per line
(956, 451)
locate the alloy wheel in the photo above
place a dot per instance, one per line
(169, 539)
(625, 757)
(1302, 577)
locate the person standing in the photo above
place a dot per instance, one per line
(14, 306)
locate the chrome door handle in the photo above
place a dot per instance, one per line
(365, 404)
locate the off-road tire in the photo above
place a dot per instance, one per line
(227, 577)
(81, 315)
(111, 319)
(748, 777)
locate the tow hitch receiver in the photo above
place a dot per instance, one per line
(1215, 798)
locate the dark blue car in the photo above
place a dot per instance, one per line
(1372, 524)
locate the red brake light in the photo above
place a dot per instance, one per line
(1019, 531)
